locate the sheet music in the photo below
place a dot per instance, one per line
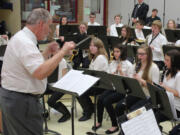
(144, 124)
(75, 81)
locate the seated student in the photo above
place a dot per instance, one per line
(144, 71)
(92, 18)
(171, 24)
(63, 21)
(126, 35)
(53, 101)
(119, 66)
(171, 81)
(156, 40)
(82, 56)
(99, 61)
(138, 30)
(113, 31)
(177, 43)
(152, 18)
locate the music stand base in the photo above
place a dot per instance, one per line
(47, 131)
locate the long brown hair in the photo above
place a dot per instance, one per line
(100, 46)
(148, 51)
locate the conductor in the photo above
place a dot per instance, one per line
(24, 74)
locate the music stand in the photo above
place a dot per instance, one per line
(172, 35)
(100, 86)
(51, 79)
(118, 29)
(146, 32)
(160, 100)
(167, 48)
(133, 34)
(97, 30)
(68, 30)
(2, 50)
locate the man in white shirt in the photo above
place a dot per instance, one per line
(156, 40)
(113, 31)
(24, 74)
(92, 18)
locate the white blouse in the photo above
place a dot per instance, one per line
(174, 83)
(100, 63)
(153, 75)
(157, 43)
(93, 24)
(113, 31)
(125, 65)
(139, 34)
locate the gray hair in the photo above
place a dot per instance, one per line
(38, 14)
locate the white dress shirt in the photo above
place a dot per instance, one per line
(174, 83)
(113, 31)
(93, 24)
(126, 67)
(177, 43)
(139, 34)
(157, 43)
(153, 75)
(21, 59)
(99, 64)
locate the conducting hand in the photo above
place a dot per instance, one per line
(68, 47)
(53, 48)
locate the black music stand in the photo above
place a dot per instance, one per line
(100, 86)
(172, 35)
(119, 30)
(160, 100)
(68, 30)
(97, 30)
(2, 50)
(167, 48)
(51, 79)
(133, 34)
(146, 32)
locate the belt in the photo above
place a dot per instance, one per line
(33, 95)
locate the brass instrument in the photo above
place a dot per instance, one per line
(74, 53)
(111, 56)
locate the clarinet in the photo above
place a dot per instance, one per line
(138, 66)
(163, 73)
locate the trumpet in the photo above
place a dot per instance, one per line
(111, 56)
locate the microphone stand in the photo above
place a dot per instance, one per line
(164, 13)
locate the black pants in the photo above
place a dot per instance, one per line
(21, 113)
(160, 64)
(86, 102)
(106, 99)
(121, 107)
(57, 105)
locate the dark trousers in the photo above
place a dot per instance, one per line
(57, 105)
(106, 99)
(21, 113)
(160, 64)
(86, 102)
(121, 107)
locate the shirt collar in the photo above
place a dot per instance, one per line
(30, 34)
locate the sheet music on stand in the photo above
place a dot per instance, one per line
(144, 124)
(76, 82)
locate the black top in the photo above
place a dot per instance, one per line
(150, 20)
(140, 12)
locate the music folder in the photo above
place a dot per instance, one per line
(75, 83)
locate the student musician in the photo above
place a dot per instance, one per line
(92, 18)
(82, 56)
(145, 70)
(119, 66)
(113, 31)
(138, 30)
(156, 40)
(125, 37)
(63, 21)
(171, 24)
(99, 61)
(171, 80)
(152, 18)
(53, 101)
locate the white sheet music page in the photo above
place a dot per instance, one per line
(144, 124)
(75, 81)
